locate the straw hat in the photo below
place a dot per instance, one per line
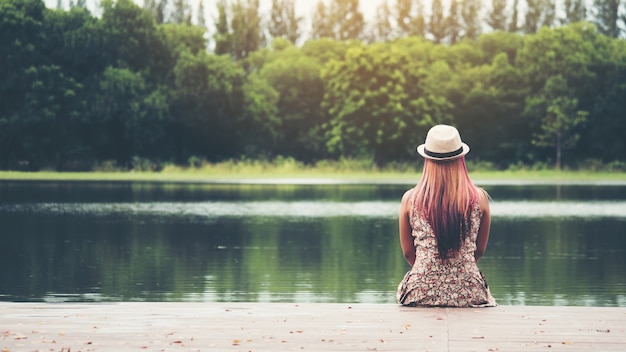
(443, 142)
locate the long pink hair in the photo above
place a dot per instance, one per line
(445, 196)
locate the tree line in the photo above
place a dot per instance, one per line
(142, 83)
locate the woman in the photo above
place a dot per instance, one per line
(444, 229)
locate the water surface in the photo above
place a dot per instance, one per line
(134, 241)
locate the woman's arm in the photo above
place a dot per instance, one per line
(406, 238)
(485, 224)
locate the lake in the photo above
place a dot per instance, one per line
(322, 242)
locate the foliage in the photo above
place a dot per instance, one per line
(561, 117)
(125, 90)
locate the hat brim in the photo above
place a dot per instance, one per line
(421, 147)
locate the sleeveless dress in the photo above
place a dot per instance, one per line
(455, 282)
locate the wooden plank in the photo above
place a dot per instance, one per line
(296, 327)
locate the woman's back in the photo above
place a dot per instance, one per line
(433, 281)
(444, 227)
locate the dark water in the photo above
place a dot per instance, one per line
(550, 245)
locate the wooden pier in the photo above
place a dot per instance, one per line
(76, 327)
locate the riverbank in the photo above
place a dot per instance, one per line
(314, 176)
(301, 327)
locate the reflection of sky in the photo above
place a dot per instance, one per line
(311, 209)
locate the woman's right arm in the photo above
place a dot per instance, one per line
(404, 225)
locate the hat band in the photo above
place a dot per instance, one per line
(443, 155)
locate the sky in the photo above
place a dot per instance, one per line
(304, 8)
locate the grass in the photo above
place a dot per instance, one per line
(286, 168)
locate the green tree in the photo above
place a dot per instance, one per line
(296, 77)
(607, 17)
(453, 22)
(118, 108)
(322, 25)
(130, 35)
(283, 20)
(497, 16)
(513, 26)
(245, 26)
(382, 29)
(223, 35)
(561, 117)
(549, 53)
(200, 17)
(74, 42)
(603, 137)
(181, 13)
(208, 106)
(410, 17)
(575, 11)
(157, 8)
(376, 98)
(539, 13)
(437, 26)
(22, 38)
(470, 10)
(349, 21)
(51, 118)
(326, 49)
(341, 20)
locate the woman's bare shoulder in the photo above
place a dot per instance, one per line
(483, 199)
(406, 198)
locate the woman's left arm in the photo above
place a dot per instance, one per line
(485, 224)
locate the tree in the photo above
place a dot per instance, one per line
(497, 17)
(181, 13)
(53, 113)
(607, 17)
(513, 26)
(437, 25)
(119, 110)
(22, 38)
(222, 36)
(383, 29)
(470, 10)
(200, 19)
(454, 22)
(283, 20)
(561, 117)
(322, 25)
(349, 21)
(238, 32)
(377, 97)
(539, 13)
(410, 17)
(342, 20)
(296, 77)
(208, 106)
(130, 35)
(575, 11)
(157, 8)
(245, 27)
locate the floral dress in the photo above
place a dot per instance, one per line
(455, 282)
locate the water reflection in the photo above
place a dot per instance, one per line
(326, 243)
(311, 209)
